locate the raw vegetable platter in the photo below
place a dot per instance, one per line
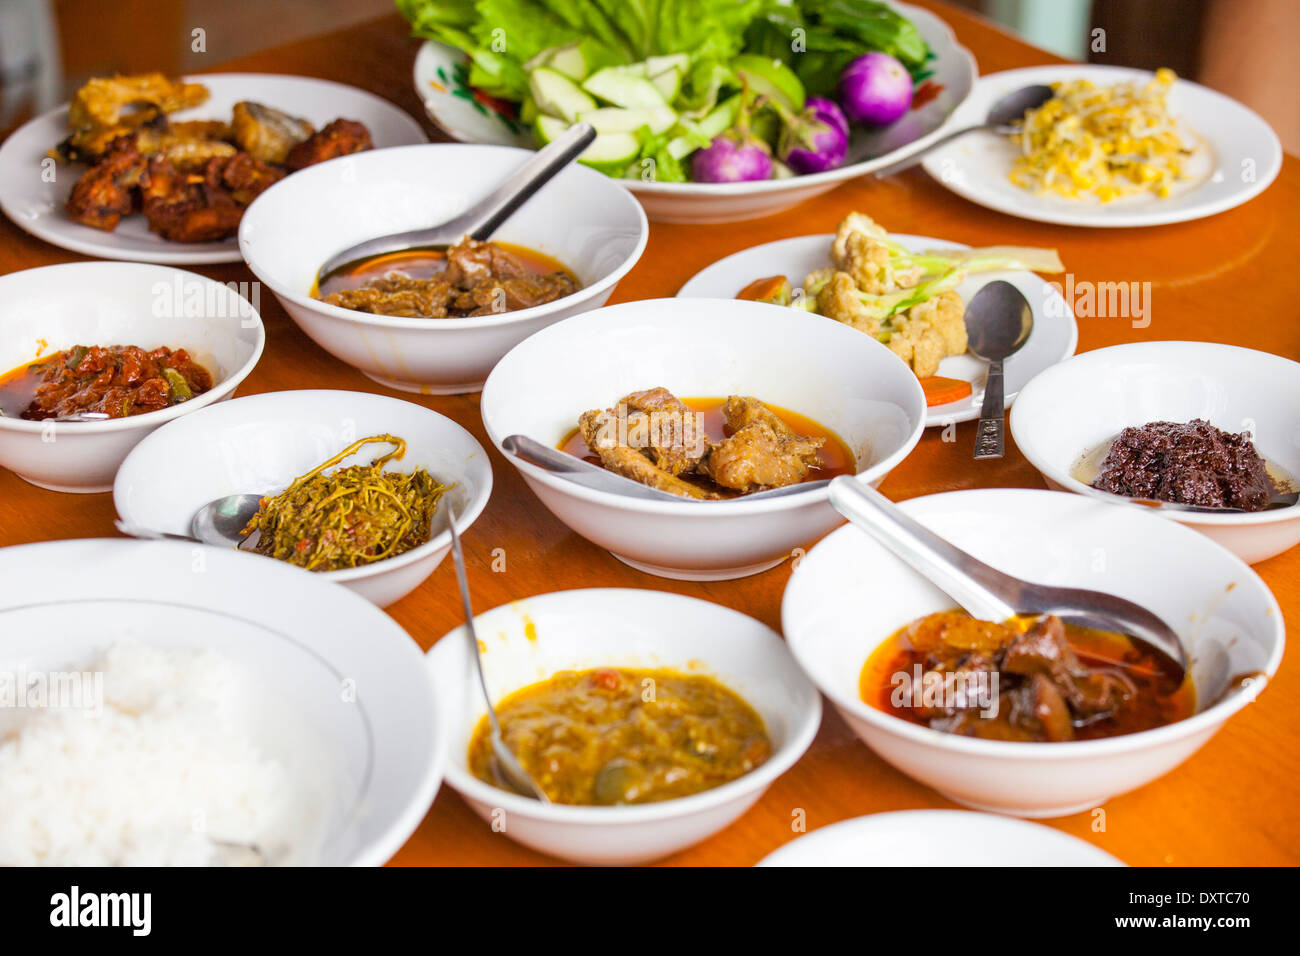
(508, 73)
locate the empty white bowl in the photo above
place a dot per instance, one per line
(937, 838)
(261, 443)
(583, 219)
(1073, 407)
(529, 640)
(53, 308)
(696, 348)
(849, 595)
(327, 685)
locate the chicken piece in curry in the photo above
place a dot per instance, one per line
(1028, 679)
(467, 279)
(707, 448)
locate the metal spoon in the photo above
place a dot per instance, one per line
(506, 766)
(482, 218)
(985, 592)
(584, 473)
(998, 323)
(218, 522)
(1002, 117)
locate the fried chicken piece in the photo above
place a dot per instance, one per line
(202, 206)
(102, 100)
(107, 191)
(340, 138)
(600, 432)
(762, 451)
(186, 145)
(267, 133)
(675, 434)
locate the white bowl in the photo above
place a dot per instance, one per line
(528, 641)
(835, 375)
(334, 689)
(1233, 388)
(848, 596)
(937, 838)
(52, 308)
(581, 218)
(261, 443)
(437, 76)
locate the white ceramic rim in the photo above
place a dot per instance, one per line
(441, 540)
(1100, 217)
(803, 730)
(839, 174)
(221, 251)
(1205, 720)
(163, 415)
(467, 322)
(1043, 381)
(729, 507)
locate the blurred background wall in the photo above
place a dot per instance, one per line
(1247, 48)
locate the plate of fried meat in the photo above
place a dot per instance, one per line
(157, 169)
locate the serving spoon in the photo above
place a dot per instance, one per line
(998, 323)
(505, 765)
(1002, 117)
(985, 592)
(480, 220)
(580, 472)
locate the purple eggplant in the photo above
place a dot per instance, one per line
(731, 158)
(875, 89)
(815, 140)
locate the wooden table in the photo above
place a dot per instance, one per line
(1230, 278)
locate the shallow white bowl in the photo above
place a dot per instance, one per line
(439, 81)
(835, 375)
(848, 595)
(583, 219)
(937, 838)
(528, 641)
(261, 443)
(52, 308)
(1233, 388)
(335, 689)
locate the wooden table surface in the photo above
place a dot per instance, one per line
(1229, 278)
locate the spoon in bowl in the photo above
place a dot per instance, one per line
(1002, 117)
(985, 592)
(998, 323)
(219, 523)
(481, 219)
(505, 765)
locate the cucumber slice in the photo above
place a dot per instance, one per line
(549, 128)
(668, 83)
(558, 95)
(720, 118)
(567, 59)
(614, 119)
(528, 110)
(623, 89)
(772, 78)
(611, 152)
(673, 61)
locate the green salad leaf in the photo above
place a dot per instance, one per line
(819, 38)
(500, 35)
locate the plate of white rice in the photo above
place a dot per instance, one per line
(163, 704)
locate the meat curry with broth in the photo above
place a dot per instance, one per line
(707, 447)
(624, 736)
(1028, 679)
(468, 279)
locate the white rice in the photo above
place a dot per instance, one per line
(161, 776)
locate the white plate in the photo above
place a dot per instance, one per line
(1053, 339)
(36, 205)
(440, 81)
(938, 838)
(1240, 155)
(336, 689)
